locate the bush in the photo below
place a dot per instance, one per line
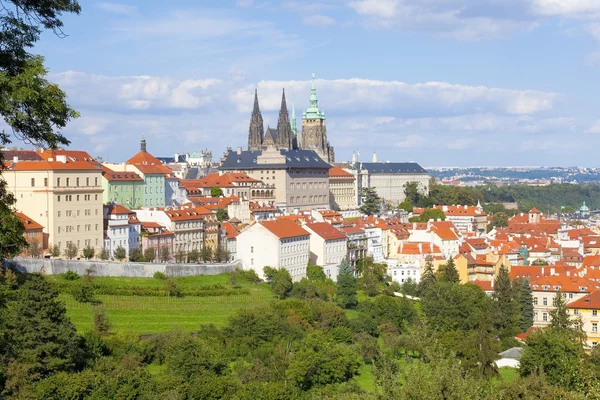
(135, 254)
(249, 276)
(160, 276)
(84, 293)
(71, 275)
(88, 252)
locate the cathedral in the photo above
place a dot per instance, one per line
(285, 137)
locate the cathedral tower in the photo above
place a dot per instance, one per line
(284, 127)
(257, 130)
(314, 130)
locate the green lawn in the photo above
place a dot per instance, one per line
(152, 314)
(508, 374)
(365, 377)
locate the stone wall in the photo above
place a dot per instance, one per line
(126, 269)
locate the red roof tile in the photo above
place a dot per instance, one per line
(590, 301)
(28, 223)
(326, 231)
(283, 228)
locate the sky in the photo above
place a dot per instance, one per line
(439, 82)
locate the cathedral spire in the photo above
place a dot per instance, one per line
(284, 127)
(294, 127)
(256, 131)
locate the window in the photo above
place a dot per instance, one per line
(252, 249)
(595, 313)
(545, 301)
(57, 181)
(87, 181)
(594, 327)
(58, 198)
(95, 181)
(32, 182)
(576, 311)
(545, 317)
(68, 181)
(570, 295)
(46, 182)
(77, 182)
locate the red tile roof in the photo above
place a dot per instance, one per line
(564, 283)
(230, 179)
(484, 285)
(51, 166)
(284, 228)
(115, 209)
(230, 230)
(74, 155)
(148, 164)
(418, 248)
(111, 175)
(28, 223)
(455, 211)
(326, 231)
(337, 173)
(591, 301)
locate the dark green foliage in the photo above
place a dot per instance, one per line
(533, 387)
(84, 293)
(306, 289)
(101, 323)
(206, 254)
(12, 240)
(193, 256)
(345, 294)
(371, 202)
(450, 273)
(221, 255)
(413, 195)
(398, 311)
(159, 275)
(315, 273)
(150, 254)
(88, 252)
(539, 262)
(135, 255)
(429, 214)
(282, 283)
(104, 254)
(71, 251)
(222, 214)
(428, 278)
(406, 205)
(216, 192)
(120, 253)
(499, 220)
(71, 275)
(42, 339)
(187, 356)
(525, 305)
(249, 276)
(409, 287)
(506, 305)
(172, 288)
(372, 277)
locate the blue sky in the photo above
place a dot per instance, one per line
(440, 82)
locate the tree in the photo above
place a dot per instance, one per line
(499, 220)
(412, 193)
(282, 283)
(88, 252)
(180, 256)
(506, 307)
(371, 202)
(429, 214)
(406, 205)
(120, 253)
(220, 255)
(55, 251)
(101, 323)
(222, 214)
(372, 277)
(345, 294)
(71, 251)
(216, 192)
(428, 278)
(193, 256)
(135, 254)
(33, 108)
(561, 321)
(165, 253)
(525, 305)
(150, 254)
(450, 273)
(206, 253)
(539, 262)
(315, 273)
(44, 339)
(35, 248)
(104, 254)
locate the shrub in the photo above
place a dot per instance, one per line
(104, 254)
(84, 293)
(135, 255)
(88, 252)
(160, 276)
(71, 275)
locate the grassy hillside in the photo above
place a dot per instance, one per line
(160, 313)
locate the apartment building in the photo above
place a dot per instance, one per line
(342, 189)
(122, 187)
(34, 235)
(328, 247)
(62, 194)
(588, 309)
(121, 229)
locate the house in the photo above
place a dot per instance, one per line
(357, 243)
(34, 235)
(588, 309)
(121, 229)
(328, 247)
(466, 218)
(231, 233)
(402, 272)
(122, 187)
(342, 189)
(157, 237)
(509, 358)
(278, 243)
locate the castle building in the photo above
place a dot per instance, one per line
(286, 136)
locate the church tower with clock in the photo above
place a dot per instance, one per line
(314, 129)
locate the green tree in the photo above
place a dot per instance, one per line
(371, 202)
(345, 294)
(406, 205)
(101, 323)
(120, 253)
(187, 357)
(412, 193)
(55, 251)
(35, 248)
(561, 321)
(216, 192)
(539, 262)
(428, 278)
(450, 273)
(429, 214)
(104, 254)
(150, 254)
(165, 253)
(44, 341)
(525, 305)
(222, 214)
(220, 254)
(282, 283)
(88, 252)
(135, 254)
(315, 273)
(194, 256)
(206, 253)
(180, 256)
(71, 251)
(499, 220)
(506, 306)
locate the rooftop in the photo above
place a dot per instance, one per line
(284, 228)
(247, 160)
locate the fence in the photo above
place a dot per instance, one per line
(123, 269)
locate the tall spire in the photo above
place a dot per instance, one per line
(256, 131)
(313, 112)
(143, 143)
(374, 159)
(284, 127)
(294, 127)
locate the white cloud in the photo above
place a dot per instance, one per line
(318, 20)
(244, 3)
(411, 142)
(118, 8)
(594, 128)
(375, 8)
(459, 144)
(568, 8)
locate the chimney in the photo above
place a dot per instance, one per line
(61, 158)
(238, 150)
(16, 159)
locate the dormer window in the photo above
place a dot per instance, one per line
(545, 287)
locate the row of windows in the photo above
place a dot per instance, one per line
(86, 242)
(294, 248)
(69, 213)
(594, 312)
(69, 197)
(77, 228)
(286, 262)
(311, 199)
(68, 182)
(308, 185)
(184, 225)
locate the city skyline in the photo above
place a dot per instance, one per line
(458, 83)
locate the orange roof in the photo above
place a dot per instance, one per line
(186, 213)
(485, 285)
(230, 230)
(51, 166)
(284, 228)
(118, 209)
(338, 173)
(455, 211)
(564, 283)
(28, 223)
(75, 155)
(592, 300)
(111, 175)
(230, 179)
(534, 211)
(148, 164)
(215, 203)
(418, 248)
(326, 231)
(591, 260)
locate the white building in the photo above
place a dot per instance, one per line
(121, 229)
(231, 233)
(278, 244)
(403, 271)
(328, 247)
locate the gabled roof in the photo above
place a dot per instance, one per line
(591, 301)
(74, 155)
(111, 175)
(283, 228)
(418, 248)
(340, 174)
(115, 209)
(230, 230)
(564, 283)
(229, 179)
(326, 231)
(148, 164)
(22, 155)
(28, 223)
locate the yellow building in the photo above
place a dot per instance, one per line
(342, 189)
(64, 195)
(588, 309)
